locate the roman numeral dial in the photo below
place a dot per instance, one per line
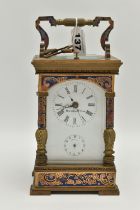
(75, 103)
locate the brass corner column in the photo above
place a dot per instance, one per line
(109, 133)
(41, 133)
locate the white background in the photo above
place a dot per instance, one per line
(19, 41)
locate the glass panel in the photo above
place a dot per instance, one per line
(76, 115)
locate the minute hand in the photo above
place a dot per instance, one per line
(67, 106)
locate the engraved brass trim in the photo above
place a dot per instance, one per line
(109, 139)
(110, 94)
(41, 93)
(108, 66)
(41, 137)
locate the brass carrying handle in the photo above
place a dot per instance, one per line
(80, 22)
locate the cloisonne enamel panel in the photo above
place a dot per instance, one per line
(75, 178)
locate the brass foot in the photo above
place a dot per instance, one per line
(114, 191)
(34, 191)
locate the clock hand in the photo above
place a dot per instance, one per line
(74, 105)
(67, 106)
(71, 99)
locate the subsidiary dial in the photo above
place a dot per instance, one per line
(75, 103)
(74, 145)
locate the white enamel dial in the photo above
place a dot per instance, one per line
(76, 120)
(75, 104)
(74, 145)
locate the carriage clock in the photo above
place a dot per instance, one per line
(75, 135)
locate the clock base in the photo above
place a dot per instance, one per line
(98, 179)
(95, 190)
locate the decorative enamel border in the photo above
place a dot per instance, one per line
(75, 179)
(106, 82)
(41, 111)
(110, 112)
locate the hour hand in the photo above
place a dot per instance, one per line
(74, 105)
(63, 106)
(71, 99)
(67, 106)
